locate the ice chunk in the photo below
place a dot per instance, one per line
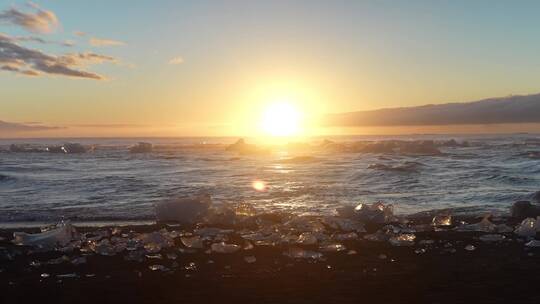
(192, 242)
(78, 260)
(485, 225)
(533, 243)
(404, 239)
(344, 224)
(307, 238)
(185, 210)
(299, 253)
(527, 228)
(59, 260)
(378, 236)
(224, 247)
(470, 247)
(375, 213)
(305, 224)
(492, 238)
(191, 266)
(103, 247)
(332, 247)
(503, 228)
(442, 220)
(346, 236)
(63, 234)
(67, 276)
(157, 267)
(250, 259)
(155, 241)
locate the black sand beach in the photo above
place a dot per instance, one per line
(436, 269)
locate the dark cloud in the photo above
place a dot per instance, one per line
(18, 127)
(38, 21)
(26, 61)
(512, 109)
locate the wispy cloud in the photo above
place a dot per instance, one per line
(67, 43)
(38, 21)
(176, 60)
(18, 127)
(26, 61)
(79, 33)
(110, 125)
(99, 42)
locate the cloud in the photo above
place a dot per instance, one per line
(26, 61)
(17, 127)
(176, 60)
(67, 43)
(98, 42)
(110, 126)
(39, 21)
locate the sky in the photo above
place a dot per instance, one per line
(194, 68)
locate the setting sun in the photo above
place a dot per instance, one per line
(281, 119)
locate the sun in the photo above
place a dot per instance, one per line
(281, 119)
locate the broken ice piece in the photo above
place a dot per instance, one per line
(442, 220)
(248, 246)
(61, 235)
(224, 247)
(250, 259)
(299, 253)
(404, 239)
(78, 260)
(192, 242)
(172, 256)
(527, 228)
(191, 266)
(157, 267)
(332, 247)
(470, 247)
(67, 276)
(533, 243)
(492, 238)
(307, 238)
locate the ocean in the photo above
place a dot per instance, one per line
(109, 184)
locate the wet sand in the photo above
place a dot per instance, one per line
(501, 272)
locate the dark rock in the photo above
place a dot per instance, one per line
(524, 209)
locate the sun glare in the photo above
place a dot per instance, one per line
(258, 185)
(281, 119)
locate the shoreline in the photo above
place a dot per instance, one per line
(440, 267)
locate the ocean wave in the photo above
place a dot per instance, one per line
(411, 167)
(6, 178)
(300, 159)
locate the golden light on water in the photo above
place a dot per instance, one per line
(259, 185)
